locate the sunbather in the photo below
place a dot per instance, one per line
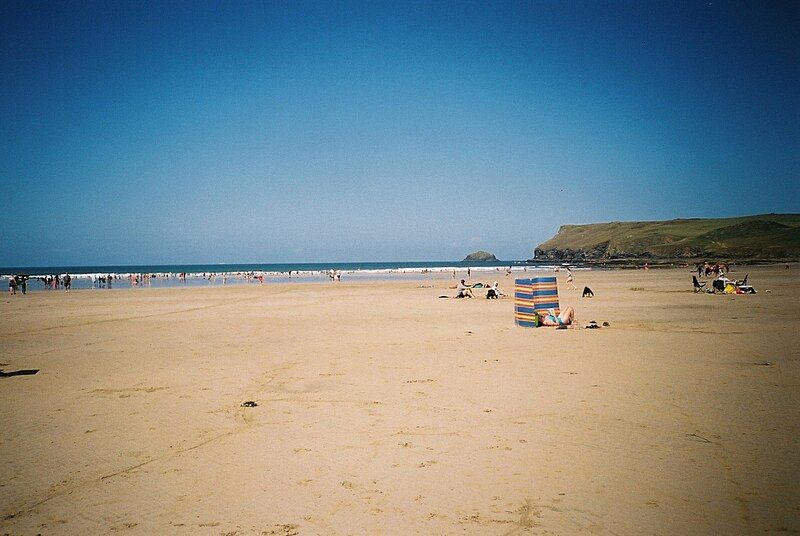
(566, 317)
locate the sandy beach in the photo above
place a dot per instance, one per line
(382, 409)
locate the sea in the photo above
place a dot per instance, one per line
(169, 275)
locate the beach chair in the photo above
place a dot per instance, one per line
(698, 286)
(743, 282)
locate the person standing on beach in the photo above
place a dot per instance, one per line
(570, 280)
(67, 282)
(12, 285)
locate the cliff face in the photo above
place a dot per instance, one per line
(769, 236)
(480, 256)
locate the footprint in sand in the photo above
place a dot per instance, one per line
(126, 525)
(287, 529)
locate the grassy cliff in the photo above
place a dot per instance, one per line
(766, 236)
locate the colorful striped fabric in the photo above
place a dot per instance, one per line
(534, 295)
(524, 315)
(545, 294)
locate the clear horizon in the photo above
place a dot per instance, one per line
(445, 263)
(315, 262)
(176, 133)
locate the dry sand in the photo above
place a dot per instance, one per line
(385, 410)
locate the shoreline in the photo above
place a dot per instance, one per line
(125, 280)
(255, 277)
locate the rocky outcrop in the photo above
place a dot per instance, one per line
(597, 252)
(769, 236)
(480, 256)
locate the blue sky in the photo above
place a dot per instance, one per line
(353, 131)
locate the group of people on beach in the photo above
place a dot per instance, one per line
(717, 269)
(469, 271)
(51, 282)
(566, 316)
(18, 282)
(465, 291)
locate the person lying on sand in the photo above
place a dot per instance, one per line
(463, 291)
(566, 318)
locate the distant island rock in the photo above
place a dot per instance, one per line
(480, 256)
(766, 236)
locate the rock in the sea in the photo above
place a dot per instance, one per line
(480, 256)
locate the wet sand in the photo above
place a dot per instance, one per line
(383, 409)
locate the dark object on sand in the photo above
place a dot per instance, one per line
(606, 324)
(562, 326)
(587, 293)
(249, 404)
(719, 285)
(698, 438)
(697, 284)
(24, 372)
(592, 325)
